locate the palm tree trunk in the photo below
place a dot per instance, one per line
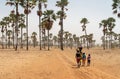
(111, 41)
(87, 39)
(27, 26)
(119, 42)
(39, 6)
(45, 39)
(40, 33)
(71, 44)
(107, 42)
(16, 28)
(6, 37)
(13, 36)
(2, 41)
(48, 40)
(9, 41)
(61, 35)
(27, 30)
(104, 42)
(21, 38)
(34, 41)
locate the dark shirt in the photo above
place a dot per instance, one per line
(88, 58)
(77, 54)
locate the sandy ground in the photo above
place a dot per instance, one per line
(57, 64)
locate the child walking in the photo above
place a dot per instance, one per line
(83, 59)
(88, 60)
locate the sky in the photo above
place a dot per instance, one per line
(93, 10)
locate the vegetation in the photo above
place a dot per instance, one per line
(84, 21)
(108, 26)
(61, 15)
(12, 27)
(39, 13)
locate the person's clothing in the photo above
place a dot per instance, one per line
(78, 58)
(84, 56)
(88, 60)
(83, 59)
(80, 48)
(77, 54)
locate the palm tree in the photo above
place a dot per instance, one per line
(77, 41)
(61, 4)
(21, 26)
(15, 3)
(48, 20)
(51, 41)
(111, 25)
(81, 40)
(34, 38)
(7, 21)
(90, 39)
(115, 7)
(25, 38)
(84, 21)
(43, 32)
(58, 39)
(115, 38)
(39, 13)
(71, 42)
(55, 39)
(13, 19)
(28, 5)
(103, 24)
(9, 32)
(107, 40)
(2, 23)
(119, 39)
(66, 38)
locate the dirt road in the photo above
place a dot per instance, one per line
(53, 64)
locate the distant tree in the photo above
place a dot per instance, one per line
(61, 4)
(13, 20)
(66, 38)
(2, 25)
(25, 38)
(39, 13)
(71, 42)
(34, 38)
(103, 24)
(28, 5)
(21, 26)
(48, 21)
(15, 3)
(7, 21)
(55, 39)
(119, 39)
(111, 25)
(90, 39)
(84, 21)
(51, 41)
(74, 39)
(9, 33)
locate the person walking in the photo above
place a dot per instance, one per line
(78, 57)
(83, 59)
(88, 59)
